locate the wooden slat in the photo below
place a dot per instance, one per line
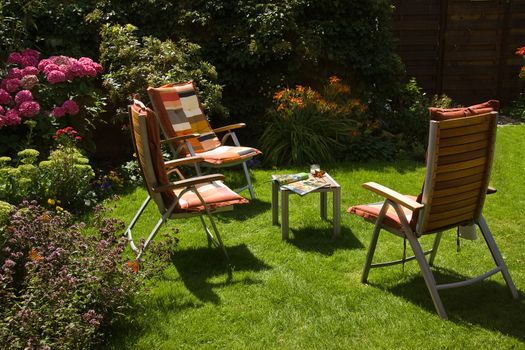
(474, 129)
(463, 165)
(462, 157)
(463, 140)
(472, 187)
(432, 225)
(454, 198)
(441, 185)
(453, 213)
(461, 173)
(444, 151)
(435, 209)
(465, 122)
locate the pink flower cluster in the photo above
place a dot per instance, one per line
(68, 131)
(16, 99)
(68, 107)
(58, 69)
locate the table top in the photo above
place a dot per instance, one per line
(332, 184)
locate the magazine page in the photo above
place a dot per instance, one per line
(286, 179)
(306, 186)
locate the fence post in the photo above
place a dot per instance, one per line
(441, 46)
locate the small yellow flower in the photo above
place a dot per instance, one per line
(59, 209)
(51, 201)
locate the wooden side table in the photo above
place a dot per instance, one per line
(323, 193)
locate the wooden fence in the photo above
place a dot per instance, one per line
(465, 49)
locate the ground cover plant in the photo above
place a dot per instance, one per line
(306, 293)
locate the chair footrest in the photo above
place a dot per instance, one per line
(396, 262)
(469, 281)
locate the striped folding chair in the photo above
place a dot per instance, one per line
(180, 114)
(196, 196)
(459, 159)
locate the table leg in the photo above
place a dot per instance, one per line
(323, 204)
(275, 203)
(284, 214)
(337, 211)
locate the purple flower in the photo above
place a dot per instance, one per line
(11, 85)
(55, 77)
(23, 96)
(15, 58)
(4, 97)
(29, 81)
(9, 263)
(58, 112)
(71, 107)
(29, 109)
(29, 71)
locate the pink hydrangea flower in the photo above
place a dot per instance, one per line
(77, 68)
(55, 77)
(23, 96)
(31, 53)
(90, 71)
(29, 71)
(12, 117)
(58, 60)
(15, 58)
(29, 109)
(15, 73)
(71, 107)
(11, 85)
(85, 60)
(58, 112)
(4, 97)
(29, 61)
(43, 64)
(97, 67)
(50, 67)
(29, 82)
(2, 111)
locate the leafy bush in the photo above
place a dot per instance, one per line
(135, 63)
(517, 109)
(59, 288)
(307, 127)
(37, 96)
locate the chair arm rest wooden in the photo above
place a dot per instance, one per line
(491, 190)
(188, 182)
(229, 127)
(180, 138)
(182, 161)
(393, 195)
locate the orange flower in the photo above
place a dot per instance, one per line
(520, 51)
(343, 89)
(280, 107)
(34, 256)
(133, 265)
(356, 133)
(278, 95)
(299, 88)
(334, 80)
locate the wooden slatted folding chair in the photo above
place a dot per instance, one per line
(460, 153)
(180, 114)
(200, 195)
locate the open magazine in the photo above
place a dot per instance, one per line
(301, 183)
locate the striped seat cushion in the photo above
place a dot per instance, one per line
(228, 154)
(180, 113)
(370, 212)
(215, 194)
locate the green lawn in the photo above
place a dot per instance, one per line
(306, 293)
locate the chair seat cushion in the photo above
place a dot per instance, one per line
(215, 194)
(370, 212)
(228, 154)
(452, 113)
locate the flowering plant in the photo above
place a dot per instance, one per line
(50, 91)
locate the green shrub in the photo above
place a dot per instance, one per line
(133, 63)
(517, 109)
(307, 127)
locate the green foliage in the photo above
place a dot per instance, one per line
(5, 211)
(307, 127)
(517, 109)
(64, 178)
(133, 63)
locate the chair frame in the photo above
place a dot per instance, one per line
(397, 201)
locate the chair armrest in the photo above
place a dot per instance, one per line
(180, 138)
(182, 161)
(491, 190)
(393, 195)
(229, 127)
(188, 182)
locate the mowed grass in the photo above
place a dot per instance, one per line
(305, 293)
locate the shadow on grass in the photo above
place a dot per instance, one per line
(255, 208)
(197, 266)
(321, 240)
(488, 304)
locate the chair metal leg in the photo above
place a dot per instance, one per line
(133, 222)
(248, 180)
(435, 247)
(496, 255)
(151, 236)
(373, 242)
(428, 276)
(215, 230)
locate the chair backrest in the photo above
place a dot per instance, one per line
(146, 141)
(180, 112)
(460, 153)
